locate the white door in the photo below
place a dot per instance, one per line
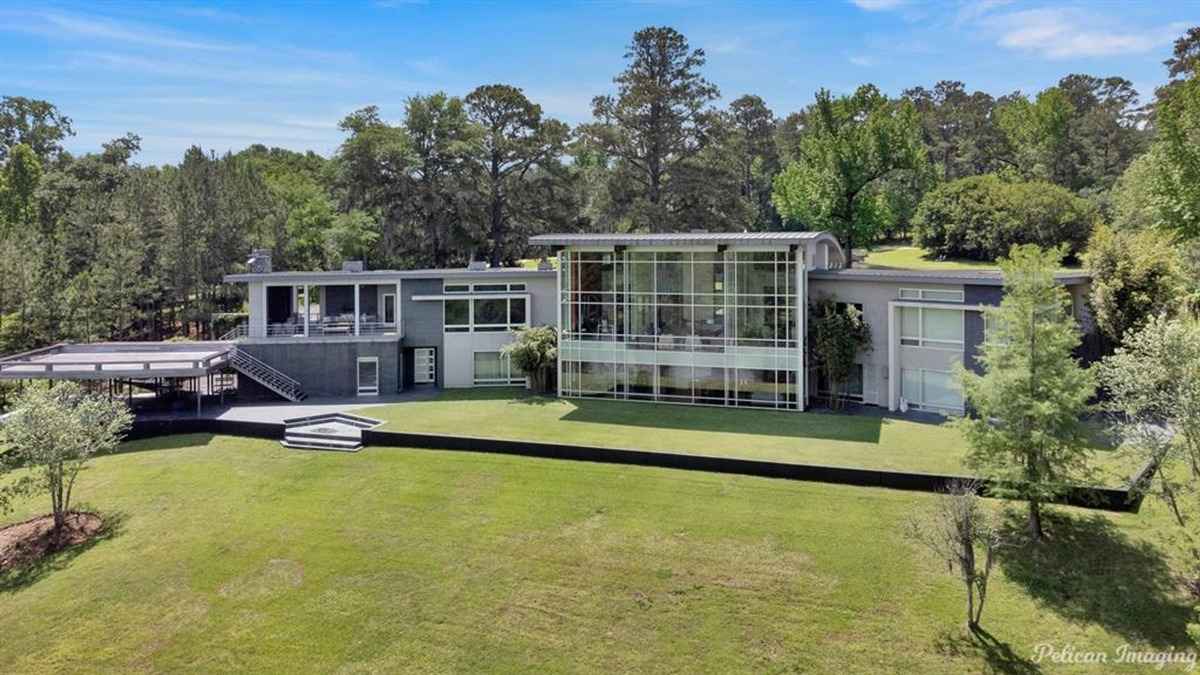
(368, 376)
(424, 365)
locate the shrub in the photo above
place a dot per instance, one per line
(982, 217)
(535, 351)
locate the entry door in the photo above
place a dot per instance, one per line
(389, 308)
(368, 376)
(424, 365)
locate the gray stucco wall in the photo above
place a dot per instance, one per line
(422, 320)
(973, 321)
(327, 368)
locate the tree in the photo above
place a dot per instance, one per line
(1133, 204)
(56, 430)
(837, 334)
(518, 158)
(959, 531)
(1184, 61)
(849, 145)
(1039, 133)
(750, 145)
(1025, 433)
(36, 124)
(436, 198)
(535, 352)
(1153, 382)
(959, 129)
(982, 217)
(1135, 275)
(1177, 184)
(657, 121)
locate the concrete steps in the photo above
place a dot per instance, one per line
(340, 432)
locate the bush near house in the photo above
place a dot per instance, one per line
(982, 217)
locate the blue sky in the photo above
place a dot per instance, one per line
(227, 75)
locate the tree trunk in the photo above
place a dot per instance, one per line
(1035, 519)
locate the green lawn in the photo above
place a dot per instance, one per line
(903, 257)
(855, 440)
(235, 554)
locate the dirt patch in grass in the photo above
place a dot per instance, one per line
(26, 543)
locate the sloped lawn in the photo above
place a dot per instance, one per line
(233, 554)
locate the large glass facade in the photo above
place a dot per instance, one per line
(681, 326)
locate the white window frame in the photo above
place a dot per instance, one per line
(506, 367)
(929, 343)
(923, 294)
(358, 375)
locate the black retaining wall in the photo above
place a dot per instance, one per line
(1108, 499)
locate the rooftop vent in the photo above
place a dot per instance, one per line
(544, 265)
(477, 265)
(352, 266)
(260, 261)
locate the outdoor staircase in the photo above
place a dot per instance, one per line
(331, 431)
(266, 375)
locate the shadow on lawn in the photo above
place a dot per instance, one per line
(999, 656)
(172, 442)
(836, 427)
(13, 580)
(1088, 571)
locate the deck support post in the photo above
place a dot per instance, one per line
(307, 304)
(355, 310)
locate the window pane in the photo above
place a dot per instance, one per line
(457, 312)
(675, 381)
(457, 288)
(672, 277)
(941, 390)
(488, 367)
(942, 324)
(910, 385)
(491, 311)
(490, 288)
(596, 377)
(641, 381)
(674, 320)
(943, 296)
(910, 318)
(910, 294)
(516, 310)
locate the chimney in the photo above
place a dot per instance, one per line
(352, 266)
(260, 261)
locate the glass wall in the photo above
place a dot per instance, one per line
(681, 326)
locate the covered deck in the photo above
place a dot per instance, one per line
(181, 363)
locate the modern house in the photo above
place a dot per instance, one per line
(696, 318)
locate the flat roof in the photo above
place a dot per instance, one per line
(376, 276)
(970, 277)
(113, 360)
(677, 239)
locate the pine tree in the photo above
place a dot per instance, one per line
(1025, 433)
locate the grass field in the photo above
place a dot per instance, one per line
(235, 554)
(855, 440)
(902, 257)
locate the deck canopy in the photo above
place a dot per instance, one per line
(117, 360)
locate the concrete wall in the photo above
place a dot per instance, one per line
(326, 368)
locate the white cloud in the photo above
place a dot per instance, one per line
(60, 25)
(863, 61)
(878, 5)
(1058, 33)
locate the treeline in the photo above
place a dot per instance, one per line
(99, 247)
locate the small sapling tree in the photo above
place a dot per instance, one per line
(55, 431)
(960, 531)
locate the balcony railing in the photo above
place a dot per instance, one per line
(316, 329)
